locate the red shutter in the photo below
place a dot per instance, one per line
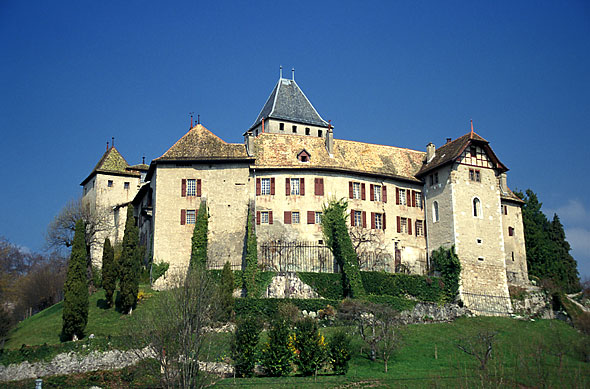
(372, 192)
(198, 188)
(269, 217)
(182, 217)
(302, 186)
(315, 186)
(350, 192)
(352, 218)
(397, 196)
(364, 219)
(321, 187)
(384, 193)
(258, 188)
(310, 217)
(399, 224)
(383, 220)
(287, 219)
(257, 217)
(272, 185)
(183, 187)
(373, 220)
(363, 196)
(413, 198)
(409, 226)
(408, 198)
(287, 186)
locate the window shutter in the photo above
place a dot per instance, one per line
(384, 193)
(397, 196)
(383, 220)
(363, 192)
(352, 218)
(198, 188)
(287, 186)
(310, 217)
(258, 188)
(287, 219)
(408, 197)
(257, 217)
(315, 186)
(364, 219)
(373, 220)
(413, 198)
(272, 186)
(269, 217)
(302, 186)
(350, 192)
(409, 226)
(399, 224)
(372, 192)
(183, 188)
(182, 217)
(321, 186)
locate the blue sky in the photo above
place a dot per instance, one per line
(73, 74)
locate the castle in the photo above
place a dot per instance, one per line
(403, 203)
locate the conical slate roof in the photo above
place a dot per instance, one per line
(111, 162)
(288, 102)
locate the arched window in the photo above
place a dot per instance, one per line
(435, 215)
(476, 208)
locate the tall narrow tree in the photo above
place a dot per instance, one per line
(130, 265)
(75, 310)
(199, 239)
(249, 274)
(109, 271)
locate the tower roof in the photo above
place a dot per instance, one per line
(288, 102)
(111, 162)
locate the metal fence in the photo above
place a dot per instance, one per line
(296, 256)
(488, 304)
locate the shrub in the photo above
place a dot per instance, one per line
(310, 347)
(244, 345)
(447, 263)
(289, 311)
(269, 307)
(276, 354)
(227, 292)
(158, 270)
(340, 352)
(423, 288)
(109, 271)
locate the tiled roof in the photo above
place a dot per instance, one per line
(141, 166)
(111, 162)
(511, 196)
(280, 151)
(288, 102)
(201, 144)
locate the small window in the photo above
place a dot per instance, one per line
(480, 259)
(377, 189)
(419, 200)
(513, 256)
(264, 217)
(358, 218)
(435, 216)
(403, 224)
(510, 231)
(419, 228)
(431, 179)
(295, 217)
(435, 178)
(479, 241)
(320, 242)
(474, 175)
(110, 184)
(265, 186)
(126, 185)
(505, 209)
(402, 197)
(477, 208)
(379, 221)
(318, 218)
(191, 215)
(473, 152)
(294, 129)
(191, 187)
(307, 131)
(282, 126)
(320, 133)
(356, 190)
(295, 187)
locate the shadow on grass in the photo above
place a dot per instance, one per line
(102, 304)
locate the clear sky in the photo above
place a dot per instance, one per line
(75, 73)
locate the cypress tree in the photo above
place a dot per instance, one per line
(130, 265)
(109, 271)
(249, 274)
(227, 292)
(75, 308)
(199, 239)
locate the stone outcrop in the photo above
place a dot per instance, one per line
(289, 285)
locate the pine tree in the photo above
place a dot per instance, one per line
(567, 273)
(130, 265)
(75, 308)
(249, 274)
(109, 271)
(199, 239)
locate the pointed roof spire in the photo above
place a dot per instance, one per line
(280, 72)
(293, 74)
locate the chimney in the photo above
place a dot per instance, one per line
(249, 141)
(448, 140)
(503, 184)
(430, 151)
(330, 141)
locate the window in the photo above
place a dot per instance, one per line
(320, 133)
(477, 208)
(318, 218)
(294, 129)
(401, 196)
(480, 259)
(191, 187)
(126, 185)
(419, 228)
(282, 126)
(264, 217)
(473, 152)
(191, 215)
(356, 190)
(379, 221)
(377, 190)
(435, 178)
(418, 199)
(295, 217)
(403, 225)
(294, 186)
(431, 179)
(307, 131)
(435, 216)
(110, 183)
(510, 231)
(265, 186)
(358, 218)
(474, 175)
(505, 209)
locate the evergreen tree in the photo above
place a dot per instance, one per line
(567, 272)
(130, 265)
(447, 263)
(199, 239)
(251, 269)
(339, 242)
(109, 271)
(227, 292)
(75, 308)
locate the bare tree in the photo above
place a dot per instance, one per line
(479, 345)
(370, 247)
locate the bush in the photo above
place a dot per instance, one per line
(226, 292)
(327, 285)
(447, 263)
(244, 345)
(310, 347)
(276, 354)
(423, 288)
(289, 311)
(158, 270)
(398, 304)
(269, 307)
(340, 352)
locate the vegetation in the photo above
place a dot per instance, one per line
(340, 352)
(310, 347)
(447, 263)
(249, 274)
(199, 239)
(226, 292)
(75, 311)
(277, 352)
(547, 249)
(158, 270)
(109, 271)
(338, 240)
(130, 265)
(244, 345)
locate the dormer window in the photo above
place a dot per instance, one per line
(294, 129)
(307, 131)
(303, 156)
(282, 126)
(319, 133)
